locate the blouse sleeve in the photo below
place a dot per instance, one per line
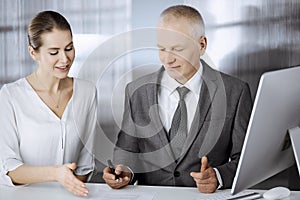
(86, 162)
(10, 158)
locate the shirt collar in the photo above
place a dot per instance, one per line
(194, 84)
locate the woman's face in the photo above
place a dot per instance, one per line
(57, 53)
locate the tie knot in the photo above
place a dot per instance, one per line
(182, 92)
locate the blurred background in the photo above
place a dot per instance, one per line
(245, 39)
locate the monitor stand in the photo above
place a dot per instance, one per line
(295, 139)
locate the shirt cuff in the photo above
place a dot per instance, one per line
(5, 180)
(219, 178)
(10, 165)
(132, 174)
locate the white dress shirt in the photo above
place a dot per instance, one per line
(168, 98)
(32, 134)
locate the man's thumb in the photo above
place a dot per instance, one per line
(204, 163)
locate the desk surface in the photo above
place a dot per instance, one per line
(50, 191)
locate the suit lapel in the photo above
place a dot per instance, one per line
(152, 93)
(207, 95)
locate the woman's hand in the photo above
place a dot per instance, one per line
(65, 176)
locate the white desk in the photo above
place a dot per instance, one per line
(54, 191)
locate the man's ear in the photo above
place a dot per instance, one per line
(203, 44)
(33, 53)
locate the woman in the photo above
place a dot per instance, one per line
(48, 119)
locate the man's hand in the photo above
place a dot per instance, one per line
(206, 180)
(124, 177)
(65, 176)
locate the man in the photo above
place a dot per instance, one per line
(190, 136)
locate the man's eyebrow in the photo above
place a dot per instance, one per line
(175, 46)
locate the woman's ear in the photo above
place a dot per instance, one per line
(33, 53)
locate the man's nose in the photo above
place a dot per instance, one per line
(169, 57)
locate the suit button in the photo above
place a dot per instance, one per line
(176, 173)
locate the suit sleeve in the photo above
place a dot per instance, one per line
(126, 149)
(240, 124)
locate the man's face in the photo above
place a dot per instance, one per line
(178, 50)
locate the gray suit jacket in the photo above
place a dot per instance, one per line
(218, 130)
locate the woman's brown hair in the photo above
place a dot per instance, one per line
(45, 22)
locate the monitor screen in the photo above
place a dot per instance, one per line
(267, 148)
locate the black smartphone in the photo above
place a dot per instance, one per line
(112, 169)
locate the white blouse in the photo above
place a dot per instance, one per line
(30, 133)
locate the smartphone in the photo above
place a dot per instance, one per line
(112, 169)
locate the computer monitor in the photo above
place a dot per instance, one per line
(267, 148)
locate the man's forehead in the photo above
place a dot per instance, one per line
(171, 37)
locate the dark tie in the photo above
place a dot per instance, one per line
(178, 130)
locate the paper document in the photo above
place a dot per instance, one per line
(225, 195)
(120, 194)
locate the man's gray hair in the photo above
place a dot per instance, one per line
(189, 13)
